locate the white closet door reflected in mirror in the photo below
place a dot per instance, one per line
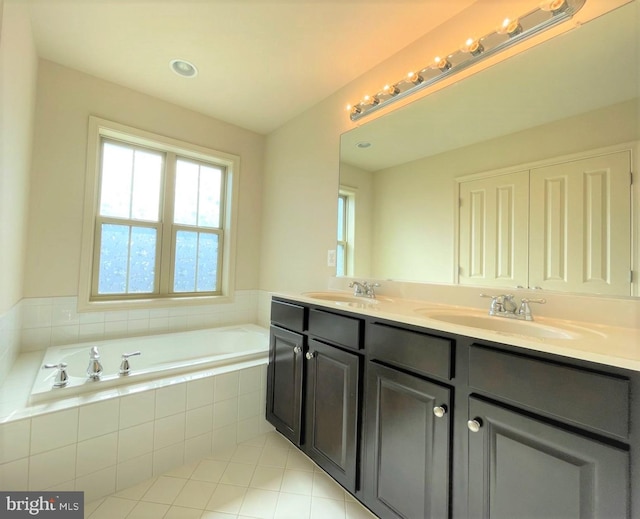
(576, 232)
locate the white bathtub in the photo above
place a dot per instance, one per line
(161, 356)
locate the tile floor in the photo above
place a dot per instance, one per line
(264, 478)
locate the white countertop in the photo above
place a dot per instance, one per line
(603, 344)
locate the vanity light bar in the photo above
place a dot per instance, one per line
(511, 31)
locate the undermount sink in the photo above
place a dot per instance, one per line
(500, 324)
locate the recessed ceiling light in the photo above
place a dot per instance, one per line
(363, 144)
(183, 68)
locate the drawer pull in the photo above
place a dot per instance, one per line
(440, 410)
(310, 354)
(297, 350)
(474, 425)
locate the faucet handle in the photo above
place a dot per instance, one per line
(125, 367)
(94, 353)
(370, 288)
(61, 377)
(525, 309)
(496, 303)
(357, 287)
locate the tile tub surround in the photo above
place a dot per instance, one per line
(265, 477)
(54, 321)
(107, 445)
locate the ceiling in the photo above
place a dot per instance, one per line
(260, 62)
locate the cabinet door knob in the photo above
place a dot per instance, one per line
(310, 354)
(297, 350)
(440, 410)
(474, 425)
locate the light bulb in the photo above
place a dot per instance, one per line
(416, 79)
(442, 63)
(473, 47)
(370, 100)
(510, 27)
(391, 90)
(555, 6)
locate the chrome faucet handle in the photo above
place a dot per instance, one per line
(525, 310)
(94, 370)
(125, 367)
(496, 303)
(370, 289)
(358, 288)
(61, 377)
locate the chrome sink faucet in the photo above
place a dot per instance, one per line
(95, 367)
(364, 289)
(503, 305)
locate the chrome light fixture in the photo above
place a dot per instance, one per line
(511, 31)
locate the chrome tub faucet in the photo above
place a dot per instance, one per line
(95, 367)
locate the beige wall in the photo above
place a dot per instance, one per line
(18, 71)
(415, 201)
(65, 99)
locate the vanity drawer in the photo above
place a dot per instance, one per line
(586, 398)
(420, 353)
(338, 329)
(287, 315)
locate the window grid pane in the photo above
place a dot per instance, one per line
(127, 259)
(198, 195)
(131, 180)
(196, 261)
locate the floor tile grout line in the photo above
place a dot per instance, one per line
(265, 445)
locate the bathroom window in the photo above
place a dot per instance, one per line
(345, 250)
(160, 221)
(341, 251)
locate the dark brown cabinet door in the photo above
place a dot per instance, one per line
(523, 468)
(284, 383)
(332, 411)
(407, 445)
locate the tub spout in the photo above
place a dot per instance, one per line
(95, 367)
(125, 368)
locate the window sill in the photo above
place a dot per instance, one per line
(147, 304)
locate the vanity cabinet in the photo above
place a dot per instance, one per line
(520, 466)
(286, 369)
(332, 414)
(408, 422)
(314, 385)
(406, 468)
(543, 438)
(420, 423)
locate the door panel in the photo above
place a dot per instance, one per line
(407, 446)
(581, 233)
(525, 468)
(284, 383)
(332, 411)
(493, 221)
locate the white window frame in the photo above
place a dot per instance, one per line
(101, 128)
(349, 194)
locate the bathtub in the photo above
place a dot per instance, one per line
(161, 356)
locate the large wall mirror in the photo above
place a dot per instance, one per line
(399, 174)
